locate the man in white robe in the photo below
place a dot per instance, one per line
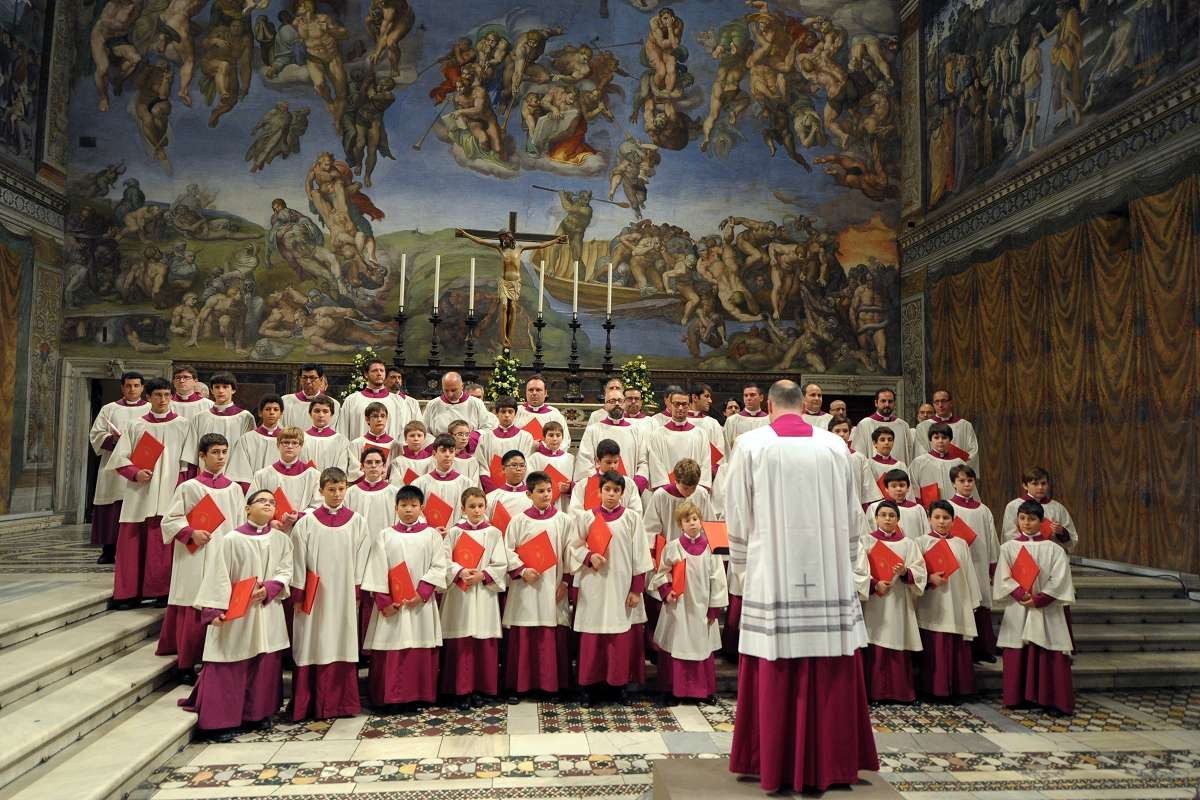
(602, 412)
(800, 676)
(750, 417)
(630, 438)
(395, 384)
(633, 408)
(678, 438)
(111, 423)
(353, 421)
(813, 414)
(312, 385)
(964, 431)
(885, 414)
(535, 407)
(454, 403)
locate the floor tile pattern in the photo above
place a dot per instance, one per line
(1089, 716)
(439, 721)
(631, 716)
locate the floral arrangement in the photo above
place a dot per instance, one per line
(504, 381)
(636, 374)
(357, 379)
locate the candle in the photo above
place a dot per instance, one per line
(403, 265)
(471, 289)
(610, 288)
(437, 280)
(541, 287)
(575, 291)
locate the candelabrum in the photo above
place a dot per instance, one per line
(608, 329)
(470, 373)
(398, 354)
(574, 383)
(433, 376)
(539, 361)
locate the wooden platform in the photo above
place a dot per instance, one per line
(710, 779)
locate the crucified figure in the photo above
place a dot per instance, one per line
(508, 289)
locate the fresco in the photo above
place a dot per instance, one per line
(261, 169)
(1006, 79)
(23, 40)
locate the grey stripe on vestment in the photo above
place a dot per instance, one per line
(785, 629)
(798, 604)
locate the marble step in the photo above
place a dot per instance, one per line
(38, 663)
(56, 607)
(36, 727)
(1134, 638)
(1117, 611)
(144, 738)
(1116, 671)
(1118, 586)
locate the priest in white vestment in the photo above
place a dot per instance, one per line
(452, 404)
(885, 414)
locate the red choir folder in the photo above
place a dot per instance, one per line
(146, 452)
(940, 558)
(496, 471)
(714, 456)
(656, 551)
(621, 466)
(312, 462)
(409, 476)
(717, 534)
(671, 477)
(400, 584)
(204, 516)
(556, 480)
(537, 553)
(963, 531)
(239, 598)
(311, 581)
(535, 429)
(282, 504)
(501, 517)
(1047, 529)
(437, 511)
(882, 487)
(679, 577)
(1025, 570)
(929, 493)
(957, 452)
(599, 535)
(591, 493)
(467, 554)
(883, 562)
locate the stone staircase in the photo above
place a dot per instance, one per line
(85, 710)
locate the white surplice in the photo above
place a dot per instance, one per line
(985, 550)
(667, 444)
(630, 497)
(494, 443)
(475, 613)
(742, 422)
(1047, 626)
(533, 605)
(231, 422)
(440, 412)
(300, 483)
(190, 407)
(385, 442)
(422, 550)
(143, 500)
(327, 448)
(253, 451)
(352, 420)
(1053, 510)
(861, 435)
(929, 469)
(110, 425)
(683, 628)
(950, 608)
(188, 568)
(448, 486)
(914, 522)
(892, 619)
(964, 437)
(659, 515)
(295, 411)
(543, 414)
(630, 438)
(602, 593)
(376, 502)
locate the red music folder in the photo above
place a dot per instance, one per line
(311, 582)
(556, 480)
(501, 517)
(282, 504)
(962, 530)
(883, 562)
(621, 466)
(1047, 529)
(400, 584)
(239, 598)
(714, 456)
(656, 550)
(671, 477)
(599, 535)
(437, 511)
(467, 553)
(409, 476)
(591, 493)
(940, 558)
(146, 452)
(957, 452)
(496, 471)
(929, 493)
(880, 484)
(679, 577)
(1025, 570)
(538, 553)
(204, 516)
(535, 429)
(717, 534)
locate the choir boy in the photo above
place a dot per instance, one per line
(371, 494)
(414, 458)
(985, 550)
(883, 441)
(223, 416)
(686, 634)
(242, 680)
(913, 520)
(464, 450)
(585, 494)
(331, 549)
(550, 453)
(443, 479)
(299, 480)
(355, 408)
(296, 406)
(511, 493)
(536, 613)
(405, 633)
(187, 401)
(375, 436)
(257, 449)
(868, 489)
(946, 611)
(610, 553)
(1036, 483)
(143, 559)
(889, 606)
(660, 511)
(1034, 633)
(471, 630)
(499, 440)
(194, 551)
(111, 424)
(675, 439)
(930, 471)
(323, 446)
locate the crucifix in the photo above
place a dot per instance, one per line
(508, 288)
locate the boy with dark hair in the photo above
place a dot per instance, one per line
(111, 424)
(443, 480)
(186, 400)
(257, 449)
(296, 406)
(223, 416)
(324, 447)
(1036, 484)
(376, 436)
(495, 442)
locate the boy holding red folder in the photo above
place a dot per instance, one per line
(405, 633)
(611, 555)
(495, 442)
(201, 512)
(1057, 524)
(442, 486)
(471, 630)
(930, 472)
(508, 497)
(296, 480)
(536, 613)
(550, 457)
(946, 611)
(891, 576)
(690, 581)
(150, 456)
(241, 600)
(1033, 579)
(914, 522)
(973, 519)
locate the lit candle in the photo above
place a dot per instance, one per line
(541, 288)
(403, 265)
(437, 280)
(575, 292)
(610, 288)
(471, 289)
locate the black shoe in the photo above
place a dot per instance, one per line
(513, 700)
(464, 703)
(160, 602)
(187, 676)
(479, 701)
(122, 605)
(108, 555)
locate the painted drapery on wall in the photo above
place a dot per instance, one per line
(1079, 354)
(1006, 80)
(260, 168)
(24, 42)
